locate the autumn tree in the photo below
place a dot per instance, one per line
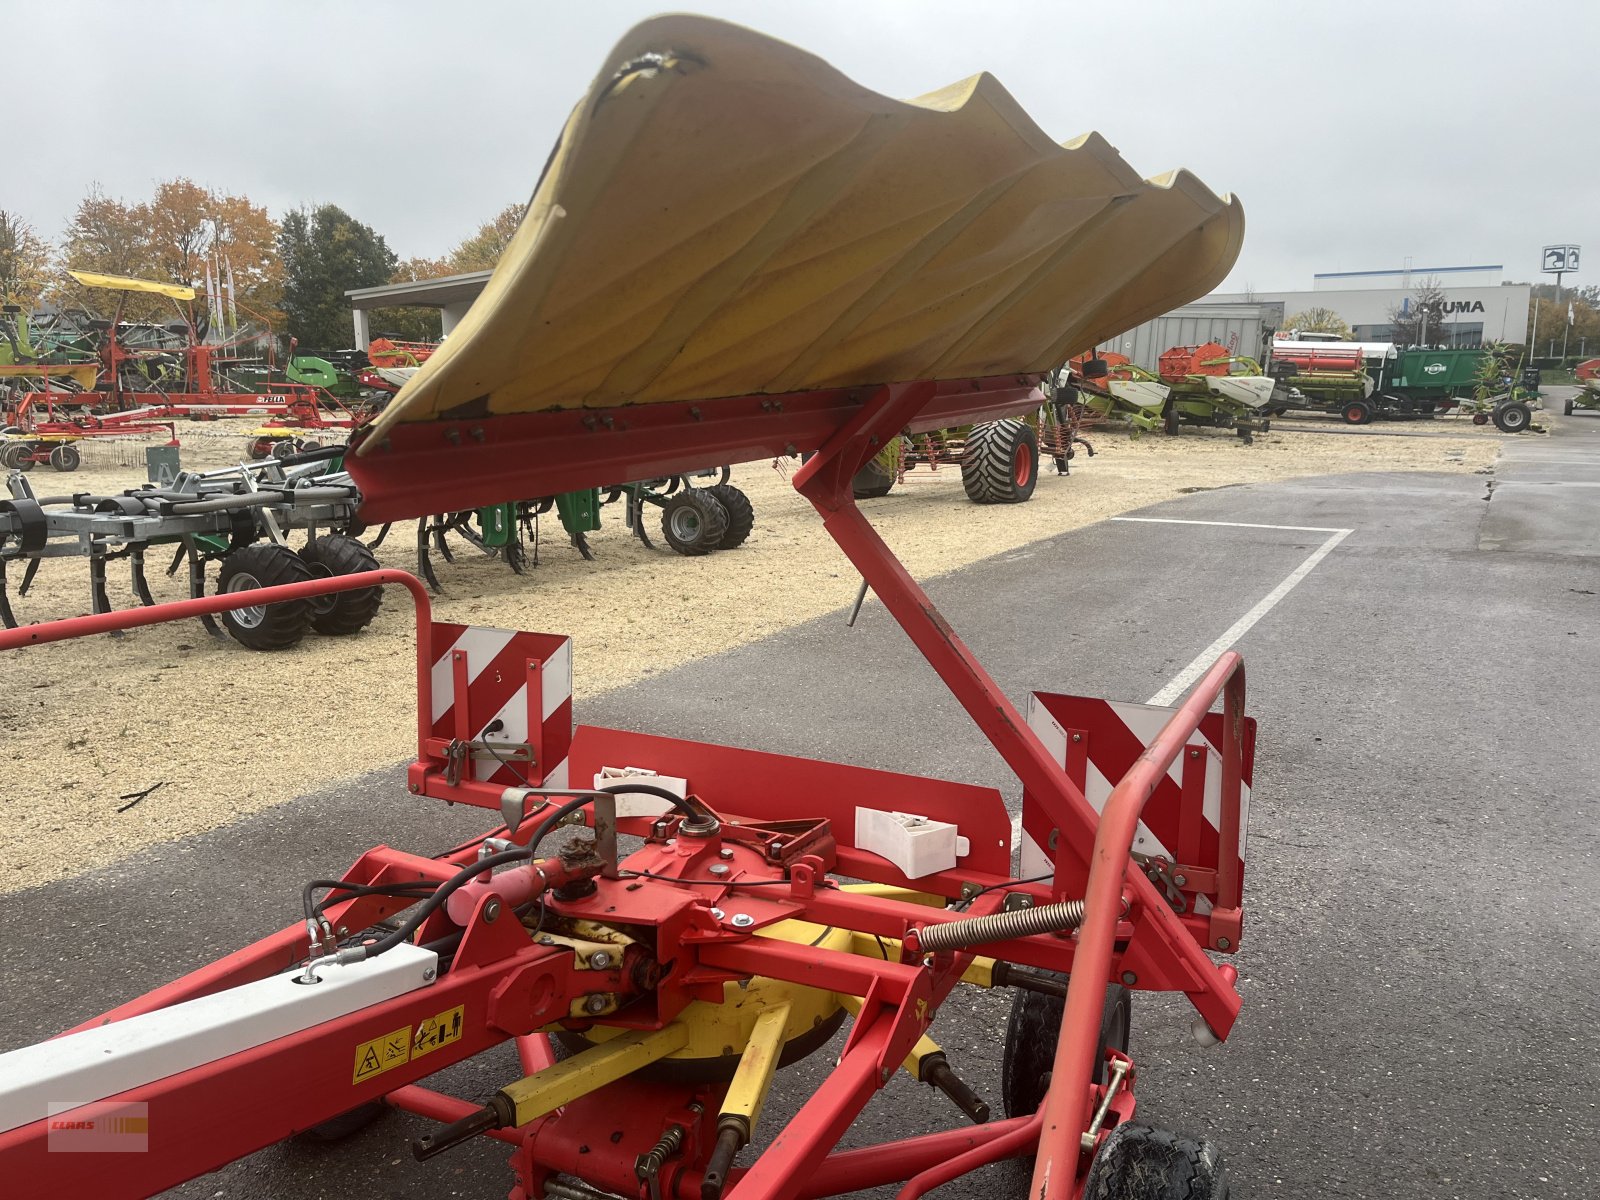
(482, 250)
(24, 261)
(1318, 320)
(170, 238)
(411, 324)
(325, 252)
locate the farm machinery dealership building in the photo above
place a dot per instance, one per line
(1480, 306)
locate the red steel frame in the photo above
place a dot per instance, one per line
(254, 1098)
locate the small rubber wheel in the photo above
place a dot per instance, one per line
(308, 447)
(872, 480)
(1000, 462)
(1138, 1162)
(694, 522)
(342, 613)
(1513, 418)
(347, 1124)
(1567, 410)
(14, 456)
(257, 448)
(65, 457)
(741, 514)
(1357, 412)
(283, 448)
(1030, 1047)
(1480, 418)
(265, 626)
(1171, 422)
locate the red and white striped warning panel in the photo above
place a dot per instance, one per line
(513, 683)
(1098, 741)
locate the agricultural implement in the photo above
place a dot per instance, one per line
(1111, 387)
(1588, 398)
(680, 976)
(239, 518)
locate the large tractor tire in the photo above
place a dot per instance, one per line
(343, 613)
(1030, 1047)
(874, 479)
(1513, 418)
(741, 514)
(694, 522)
(1000, 462)
(266, 626)
(1137, 1162)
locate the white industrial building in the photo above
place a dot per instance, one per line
(1480, 307)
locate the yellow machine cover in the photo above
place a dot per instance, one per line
(124, 283)
(728, 215)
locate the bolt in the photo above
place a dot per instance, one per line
(778, 847)
(1194, 754)
(599, 960)
(743, 920)
(1180, 880)
(1077, 737)
(725, 852)
(719, 868)
(1223, 943)
(427, 975)
(1129, 978)
(1054, 839)
(595, 1004)
(717, 913)
(491, 910)
(416, 787)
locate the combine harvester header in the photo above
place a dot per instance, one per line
(815, 267)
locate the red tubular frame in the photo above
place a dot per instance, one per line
(1129, 928)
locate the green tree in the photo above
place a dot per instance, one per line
(324, 252)
(482, 250)
(1318, 320)
(24, 261)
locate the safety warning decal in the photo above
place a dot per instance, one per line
(437, 1031)
(381, 1054)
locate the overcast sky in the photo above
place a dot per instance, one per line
(1357, 135)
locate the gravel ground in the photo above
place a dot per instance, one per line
(226, 732)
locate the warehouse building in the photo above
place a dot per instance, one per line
(1480, 306)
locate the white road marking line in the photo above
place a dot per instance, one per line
(1182, 681)
(1232, 524)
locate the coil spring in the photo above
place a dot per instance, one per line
(648, 1164)
(1000, 927)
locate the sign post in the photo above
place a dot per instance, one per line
(1558, 260)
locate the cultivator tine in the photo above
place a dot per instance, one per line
(99, 602)
(197, 585)
(382, 533)
(580, 542)
(635, 515)
(177, 560)
(141, 585)
(28, 573)
(7, 617)
(424, 562)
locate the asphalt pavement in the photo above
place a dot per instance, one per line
(1422, 930)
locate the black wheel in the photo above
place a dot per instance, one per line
(1567, 408)
(694, 522)
(266, 626)
(336, 1129)
(872, 480)
(1480, 418)
(1171, 422)
(1357, 412)
(282, 448)
(13, 455)
(741, 514)
(1000, 462)
(308, 446)
(1030, 1047)
(65, 457)
(1137, 1162)
(1513, 418)
(343, 613)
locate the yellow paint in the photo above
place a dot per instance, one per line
(547, 1090)
(123, 283)
(748, 1089)
(381, 1054)
(435, 1032)
(83, 374)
